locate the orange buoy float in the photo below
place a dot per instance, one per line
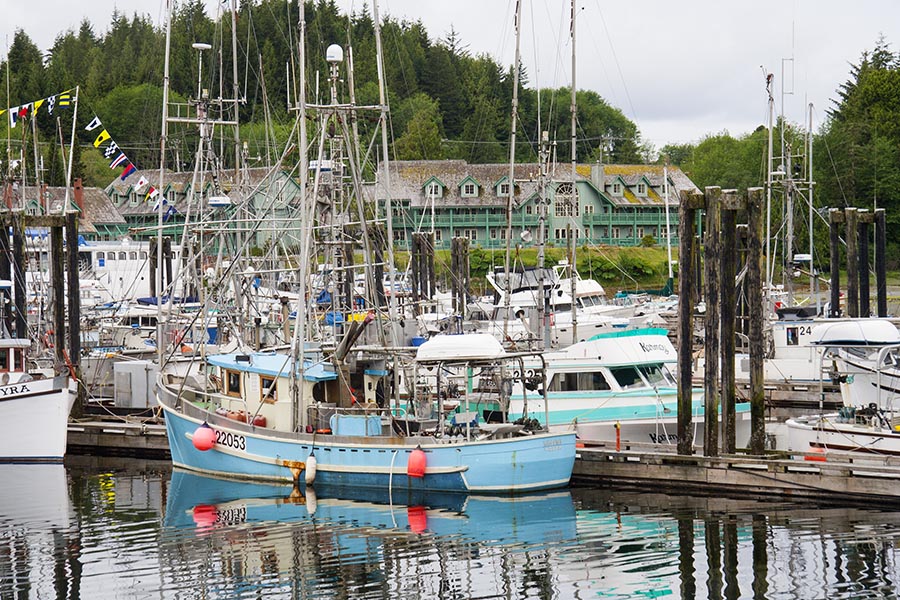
(418, 518)
(816, 454)
(204, 438)
(415, 467)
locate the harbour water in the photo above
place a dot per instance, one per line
(135, 529)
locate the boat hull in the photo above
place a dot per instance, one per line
(526, 463)
(35, 417)
(804, 434)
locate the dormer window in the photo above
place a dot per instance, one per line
(469, 189)
(433, 188)
(503, 189)
(641, 189)
(617, 189)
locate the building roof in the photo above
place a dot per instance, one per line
(97, 207)
(180, 183)
(408, 178)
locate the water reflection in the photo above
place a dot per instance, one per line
(353, 542)
(136, 530)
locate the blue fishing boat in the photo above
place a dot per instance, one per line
(260, 416)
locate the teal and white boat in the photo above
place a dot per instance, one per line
(616, 380)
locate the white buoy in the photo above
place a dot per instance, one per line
(310, 469)
(311, 501)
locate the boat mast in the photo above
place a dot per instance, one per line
(297, 347)
(162, 169)
(768, 283)
(574, 207)
(383, 102)
(670, 281)
(512, 162)
(813, 274)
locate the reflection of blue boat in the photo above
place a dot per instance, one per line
(206, 503)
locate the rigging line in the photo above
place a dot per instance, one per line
(616, 60)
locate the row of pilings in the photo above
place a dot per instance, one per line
(720, 259)
(64, 335)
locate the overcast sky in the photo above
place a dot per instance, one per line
(680, 70)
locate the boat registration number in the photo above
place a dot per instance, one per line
(231, 515)
(232, 440)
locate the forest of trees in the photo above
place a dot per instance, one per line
(445, 102)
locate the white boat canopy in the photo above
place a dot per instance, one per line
(861, 332)
(455, 348)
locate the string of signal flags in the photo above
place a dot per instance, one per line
(103, 141)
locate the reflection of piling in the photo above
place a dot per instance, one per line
(686, 569)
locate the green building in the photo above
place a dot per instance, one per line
(608, 204)
(271, 208)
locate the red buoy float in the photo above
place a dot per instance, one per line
(418, 518)
(205, 516)
(416, 465)
(259, 421)
(204, 438)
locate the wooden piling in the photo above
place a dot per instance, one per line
(687, 210)
(850, 216)
(755, 208)
(459, 276)
(731, 202)
(18, 252)
(862, 239)
(711, 256)
(6, 275)
(835, 217)
(57, 278)
(152, 257)
(880, 264)
(74, 308)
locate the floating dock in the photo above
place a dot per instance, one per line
(831, 475)
(142, 439)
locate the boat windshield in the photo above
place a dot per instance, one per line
(657, 374)
(627, 377)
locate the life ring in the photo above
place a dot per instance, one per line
(48, 342)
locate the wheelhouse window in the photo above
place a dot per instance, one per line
(578, 382)
(233, 383)
(269, 391)
(4, 359)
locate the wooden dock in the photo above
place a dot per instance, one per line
(831, 476)
(118, 438)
